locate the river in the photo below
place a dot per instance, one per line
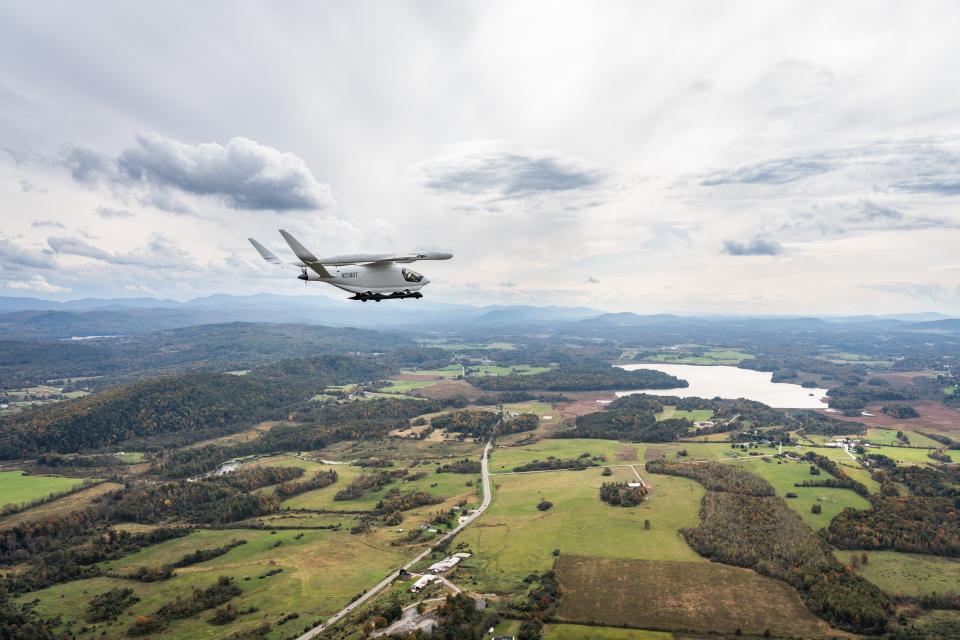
(731, 382)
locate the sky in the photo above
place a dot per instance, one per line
(693, 157)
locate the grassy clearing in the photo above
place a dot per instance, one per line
(881, 436)
(321, 572)
(402, 451)
(783, 476)
(949, 391)
(497, 370)
(17, 487)
(584, 632)
(505, 459)
(450, 371)
(539, 408)
(910, 574)
(512, 538)
(717, 357)
(446, 485)
(688, 596)
(404, 386)
(60, 506)
(694, 415)
(903, 455)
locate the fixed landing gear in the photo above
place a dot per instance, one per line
(377, 297)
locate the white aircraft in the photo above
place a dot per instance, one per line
(368, 276)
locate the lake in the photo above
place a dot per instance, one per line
(731, 382)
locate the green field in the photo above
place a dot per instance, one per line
(584, 632)
(17, 487)
(512, 538)
(131, 457)
(889, 437)
(693, 415)
(910, 574)
(949, 391)
(904, 455)
(445, 485)
(783, 476)
(405, 386)
(321, 572)
(450, 371)
(539, 408)
(505, 459)
(497, 370)
(708, 358)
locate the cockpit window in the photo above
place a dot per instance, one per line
(410, 275)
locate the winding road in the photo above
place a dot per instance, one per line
(487, 495)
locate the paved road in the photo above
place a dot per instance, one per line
(332, 620)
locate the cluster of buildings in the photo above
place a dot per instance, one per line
(447, 563)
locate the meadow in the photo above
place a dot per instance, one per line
(18, 487)
(321, 571)
(693, 597)
(513, 538)
(506, 458)
(693, 415)
(716, 357)
(61, 506)
(880, 436)
(783, 475)
(910, 574)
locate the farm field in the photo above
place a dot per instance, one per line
(445, 485)
(904, 455)
(401, 451)
(708, 358)
(321, 572)
(881, 436)
(18, 487)
(60, 506)
(584, 632)
(705, 597)
(505, 459)
(911, 574)
(497, 370)
(694, 415)
(404, 386)
(450, 371)
(512, 538)
(783, 476)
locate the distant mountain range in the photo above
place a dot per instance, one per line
(45, 319)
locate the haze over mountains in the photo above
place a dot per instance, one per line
(47, 319)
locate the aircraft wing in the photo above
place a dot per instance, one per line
(381, 258)
(305, 256)
(269, 256)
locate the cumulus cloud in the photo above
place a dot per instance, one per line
(507, 285)
(591, 280)
(756, 246)
(35, 283)
(919, 290)
(491, 175)
(771, 172)
(243, 174)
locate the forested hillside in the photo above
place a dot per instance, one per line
(197, 403)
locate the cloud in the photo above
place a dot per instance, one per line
(243, 174)
(28, 187)
(488, 176)
(110, 213)
(591, 280)
(772, 172)
(41, 224)
(15, 256)
(159, 253)
(756, 246)
(35, 283)
(507, 285)
(921, 290)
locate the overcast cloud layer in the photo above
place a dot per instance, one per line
(755, 157)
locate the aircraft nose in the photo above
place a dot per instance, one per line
(426, 280)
